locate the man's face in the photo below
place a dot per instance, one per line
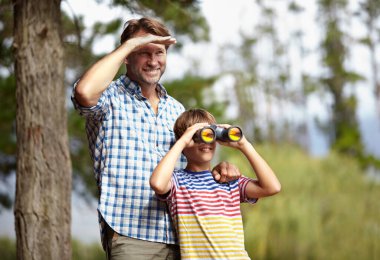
(147, 64)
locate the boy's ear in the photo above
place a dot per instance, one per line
(126, 60)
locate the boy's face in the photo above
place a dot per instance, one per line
(200, 153)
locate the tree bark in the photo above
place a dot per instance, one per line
(43, 185)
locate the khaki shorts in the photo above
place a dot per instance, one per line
(125, 248)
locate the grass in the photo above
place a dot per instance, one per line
(80, 251)
(327, 209)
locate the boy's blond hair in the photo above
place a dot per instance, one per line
(191, 117)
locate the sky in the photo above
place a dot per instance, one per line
(225, 20)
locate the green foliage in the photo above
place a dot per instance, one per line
(193, 91)
(6, 32)
(370, 9)
(349, 142)
(310, 84)
(80, 250)
(8, 102)
(109, 28)
(7, 88)
(80, 157)
(87, 252)
(327, 209)
(185, 16)
(346, 133)
(365, 41)
(7, 248)
(295, 7)
(7, 117)
(78, 49)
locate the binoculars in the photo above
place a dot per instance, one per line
(209, 134)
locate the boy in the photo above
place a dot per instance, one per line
(206, 214)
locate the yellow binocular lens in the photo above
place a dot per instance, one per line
(207, 135)
(234, 134)
(231, 134)
(204, 135)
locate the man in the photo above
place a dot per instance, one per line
(129, 124)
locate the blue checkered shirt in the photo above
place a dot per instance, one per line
(127, 140)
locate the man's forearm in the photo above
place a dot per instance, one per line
(97, 78)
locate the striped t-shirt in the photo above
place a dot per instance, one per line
(207, 215)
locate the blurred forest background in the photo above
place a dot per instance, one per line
(275, 80)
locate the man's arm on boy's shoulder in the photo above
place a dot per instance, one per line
(225, 172)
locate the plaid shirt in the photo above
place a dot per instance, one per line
(127, 140)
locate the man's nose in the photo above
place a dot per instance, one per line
(153, 59)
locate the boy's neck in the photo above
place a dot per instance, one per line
(198, 167)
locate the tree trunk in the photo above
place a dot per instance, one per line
(43, 185)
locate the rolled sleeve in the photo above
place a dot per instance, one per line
(169, 197)
(243, 181)
(97, 112)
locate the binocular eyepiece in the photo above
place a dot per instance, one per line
(209, 134)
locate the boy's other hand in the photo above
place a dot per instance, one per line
(225, 172)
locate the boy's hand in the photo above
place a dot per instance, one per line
(225, 172)
(187, 136)
(238, 144)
